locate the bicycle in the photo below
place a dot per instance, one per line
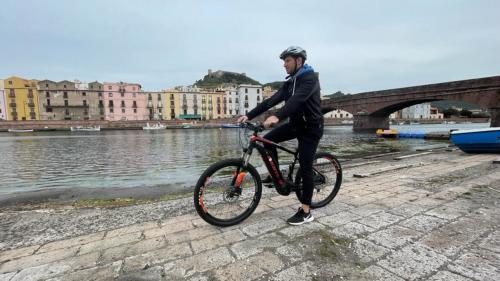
(229, 191)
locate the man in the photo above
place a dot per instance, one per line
(301, 93)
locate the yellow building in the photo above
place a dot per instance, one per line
(194, 104)
(171, 104)
(21, 98)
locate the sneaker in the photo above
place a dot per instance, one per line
(300, 218)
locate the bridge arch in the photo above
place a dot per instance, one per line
(372, 109)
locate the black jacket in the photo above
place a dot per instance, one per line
(302, 106)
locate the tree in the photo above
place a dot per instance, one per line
(450, 112)
(466, 113)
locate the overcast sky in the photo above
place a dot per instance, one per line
(356, 46)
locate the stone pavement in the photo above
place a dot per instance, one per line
(432, 217)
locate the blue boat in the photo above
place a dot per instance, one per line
(485, 140)
(228, 126)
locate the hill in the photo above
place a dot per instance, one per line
(217, 78)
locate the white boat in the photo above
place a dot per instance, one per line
(156, 126)
(347, 122)
(20, 130)
(85, 129)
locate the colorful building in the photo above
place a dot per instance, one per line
(21, 98)
(64, 100)
(155, 105)
(124, 101)
(172, 104)
(3, 109)
(96, 100)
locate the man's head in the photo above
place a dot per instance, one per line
(293, 58)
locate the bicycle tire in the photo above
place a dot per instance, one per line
(199, 193)
(336, 187)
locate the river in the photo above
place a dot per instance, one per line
(173, 157)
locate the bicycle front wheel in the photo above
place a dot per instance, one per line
(327, 179)
(227, 193)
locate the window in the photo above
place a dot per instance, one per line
(46, 85)
(149, 97)
(111, 110)
(246, 91)
(66, 111)
(135, 110)
(122, 94)
(84, 103)
(10, 82)
(84, 94)
(123, 103)
(110, 95)
(101, 104)
(110, 103)
(47, 94)
(100, 95)
(171, 96)
(123, 110)
(66, 103)
(64, 86)
(109, 87)
(159, 97)
(65, 95)
(134, 104)
(48, 102)
(258, 91)
(133, 95)
(49, 109)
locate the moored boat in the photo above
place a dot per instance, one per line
(486, 140)
(228, 126)
(157, 126)
(20, 130)
(387, 133)
(85, 128)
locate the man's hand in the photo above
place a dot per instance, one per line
(270, 121)
(242, 119)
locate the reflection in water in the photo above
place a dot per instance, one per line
(106, 159)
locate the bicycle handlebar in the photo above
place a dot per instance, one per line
(257, 127)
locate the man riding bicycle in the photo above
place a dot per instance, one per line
(301, 93)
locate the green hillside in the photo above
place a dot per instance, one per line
(212, 81)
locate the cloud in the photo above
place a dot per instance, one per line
(356, 46)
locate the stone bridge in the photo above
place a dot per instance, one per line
(371, 110)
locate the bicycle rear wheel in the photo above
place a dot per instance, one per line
(227, 193)
(327, 179)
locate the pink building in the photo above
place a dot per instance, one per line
(124, 101)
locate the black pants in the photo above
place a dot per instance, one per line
(308, 138)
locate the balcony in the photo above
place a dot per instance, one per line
(150, 104)
(12, 95)
(31, 104)
(160, 105)
(30, 95)
(12, 104)
(68, 106)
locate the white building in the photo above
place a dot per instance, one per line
(249, 97)
(232, 101)
(3, 109)
(338, 113)
(243, 98)
(418, 111)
